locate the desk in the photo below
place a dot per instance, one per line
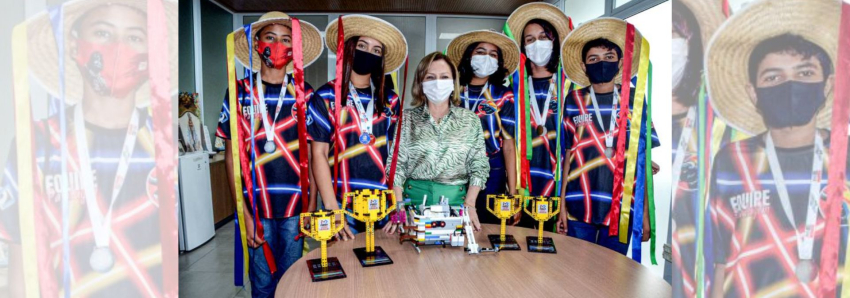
(579, 269)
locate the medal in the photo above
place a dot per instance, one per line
(365, 115)
(609, 133)
(101, 259)
(269, 147)
(365, 139)
(540, 113)
(541, 130)
(805, 271)
(609, 152)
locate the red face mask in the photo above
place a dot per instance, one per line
(275, 55)
(113, 68)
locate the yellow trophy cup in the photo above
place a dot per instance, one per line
(542, 209)
(323, 225)
(503, 207)
(370, 206)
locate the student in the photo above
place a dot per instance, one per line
(593, 57)
(373, 48)
(277, 195)
(441, 150)
(772, 77)
(540, 29)
(484, 59)
(107, 126)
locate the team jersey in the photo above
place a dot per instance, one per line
(753, 237)
(495, 108)
(278, 186)
(591, 177)
(363, 165)
(135, 241)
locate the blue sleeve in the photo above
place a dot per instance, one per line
(223, 130)
(321, 128)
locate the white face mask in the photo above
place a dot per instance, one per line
(483, 65)
(438, 91)
(680, 59)
(539, 52)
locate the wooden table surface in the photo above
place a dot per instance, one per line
(579, 269)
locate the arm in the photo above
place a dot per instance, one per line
(253, 240)
(324, 182)
(401, 166)
(313, 189)
(717, 284)
(563, 216)
(509, 151)
(478, 167)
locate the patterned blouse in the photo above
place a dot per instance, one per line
(451, 152)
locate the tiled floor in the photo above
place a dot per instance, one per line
(207, 271)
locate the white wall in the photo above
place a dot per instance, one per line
(654, 25)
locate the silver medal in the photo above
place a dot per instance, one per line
(805, 271)
(101, 259)
(269, 147)
(609, 152)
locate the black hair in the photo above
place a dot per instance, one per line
(554, 60)
(686, 24)
(788, 44)
(466, 72)
(601, 43)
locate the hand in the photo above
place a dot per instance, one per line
(646, 229)
(254, 241)
(655, 168)
(562, 223)
(473, 218)
(392, 227)
(345, 234)
(515, 219)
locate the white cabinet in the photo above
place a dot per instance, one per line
(195, 212)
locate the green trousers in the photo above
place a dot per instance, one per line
(415, 190)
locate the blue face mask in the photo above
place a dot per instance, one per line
(602, 71)
(790, 104)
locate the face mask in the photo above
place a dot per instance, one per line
(539, 52)
(366, 63)
(790, 104)
(680, 59)
(275, 54)
(602, 71)
(113, 69)
(438, 91)
(483, 65)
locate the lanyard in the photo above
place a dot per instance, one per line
(805, 241)
(365, 116)
(477, 101)
(538, 113)
(102, 228)
(681, 151)
(268, 124)
(609, 133)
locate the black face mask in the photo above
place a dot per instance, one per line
(602, 71)
(366, 63)
(790, 104)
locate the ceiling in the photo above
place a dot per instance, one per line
(476, 7)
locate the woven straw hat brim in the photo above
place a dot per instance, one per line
(612, 29)
(709, 16)
(369, 26)
(728, 54)
(510, 50)
(43, 61)
(538, 10)
(311, 42)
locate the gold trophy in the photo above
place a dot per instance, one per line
(370, 206)
(323, 225)
(542, 209)
(503, 207)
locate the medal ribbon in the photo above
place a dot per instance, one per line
(617, 191)
(633, 159)
(340, 54)
(609, 132)
(240, 268)
(650, 185)
(301, 104)
(269, 124)
(540, 113)
(837, 160)
(484, 90)
(365, 116)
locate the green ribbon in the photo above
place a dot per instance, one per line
(650, 193)
(701, 190)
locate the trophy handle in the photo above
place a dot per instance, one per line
(301, 224)
(389, 193)
(341, 214)
(490, 200)
(518, 203)
(345, 198)
(525, 204)
(557, 207)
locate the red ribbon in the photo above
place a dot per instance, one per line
(726, 10)
(397, 139)
(837, 160)
(165, 151)
(569, 19)
(521, 129)
(300, 103)
(622, 123)
(340, 54)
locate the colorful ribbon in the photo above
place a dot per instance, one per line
(340, 54)
(617, 192)
(701, 191)
(241, 246)
(301, 106)
(837, 160)
(650, 184)
(634, 139)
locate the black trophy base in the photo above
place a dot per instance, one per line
(333, 271)
(376, 258)
(508, 244)
(547, 246)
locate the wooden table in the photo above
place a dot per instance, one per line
(579, 269)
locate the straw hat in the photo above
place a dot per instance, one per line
(43, 61)
(369, 26)
(709, 16)
(538, 10)
(311, 40)
(612, 29)
(510, 50)
(727, 58)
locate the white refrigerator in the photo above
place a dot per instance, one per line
(195, 212)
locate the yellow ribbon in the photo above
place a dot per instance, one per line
(634, 139)
(845, 291)
(235, 141)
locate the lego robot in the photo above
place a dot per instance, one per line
(439, 224)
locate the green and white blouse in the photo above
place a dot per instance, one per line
(451, 152)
